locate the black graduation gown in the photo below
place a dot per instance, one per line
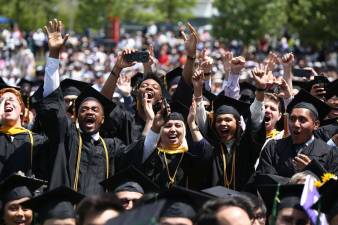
(125, 125)
(155, 167)
(15, 155)
(327, 132)
(276, 158)
(247, 152)
(93, 157)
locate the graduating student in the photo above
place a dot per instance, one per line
(55, 207)
(233, 151)
(20, 148)
(329, 132)
(289, 210)
(14, 190)
(71, 89)
(90, 158)
(328, 202)
(130, 185)
(301, 151)
(168, 157)
(182, 206)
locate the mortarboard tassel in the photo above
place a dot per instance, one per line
(274, 207)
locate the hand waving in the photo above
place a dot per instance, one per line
(191, 41)
(55, 39)
(261, 76)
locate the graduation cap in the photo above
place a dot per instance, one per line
(90, 93)
(305, 100)
(328, 201)
(3, 85)
(182, 202)
(288, 195)
(247, 91)
(332, 89)
(136, 79)
(272, 179)
(173, 77)
(55, 204)
(301, 84)
(220, 192)
(24, 81)
(73, 87)
(226, 105)
(147, 214)
(18, 186)
(130, 179)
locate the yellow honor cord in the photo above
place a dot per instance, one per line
(173, 177)
(20, 130)
(272, 133)
(77, 167)
(227, 182)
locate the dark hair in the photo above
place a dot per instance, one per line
(207, 214)
(255, 202)
(98, 204)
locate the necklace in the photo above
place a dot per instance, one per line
(171, 178)
(228, 182)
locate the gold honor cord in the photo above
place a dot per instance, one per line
(19, 130)
(173, 177)
(77, 168)
(225, 176)
(31, 139)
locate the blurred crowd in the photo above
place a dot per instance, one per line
(91, 59)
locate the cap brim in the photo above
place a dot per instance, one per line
(130, 174)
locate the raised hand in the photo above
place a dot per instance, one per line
(271, 61)
(287, 61)
(123, 84)
(261, 76)
(197, 82)
(191, 41)
(206, 62)
(148, 108)
(120, 62)
(237, 64)
(226, 58)
(158, 119)
(55, 39)
(191, 120)
(285, 91)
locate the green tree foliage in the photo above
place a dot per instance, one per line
(29, 14)
(93, 13)
(316, 21)
(249, 19)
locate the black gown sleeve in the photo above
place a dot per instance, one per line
(119, 124)
(327, 132)
(182, 98)
(266, 162)
(53, 116)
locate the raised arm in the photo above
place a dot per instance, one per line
(190, 47)
(232, 88)
(110, 84)
(55, 44)
(201, 114)
(153, 136)
(287, 61)
(195, 132)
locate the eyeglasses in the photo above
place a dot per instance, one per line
(126, 201)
